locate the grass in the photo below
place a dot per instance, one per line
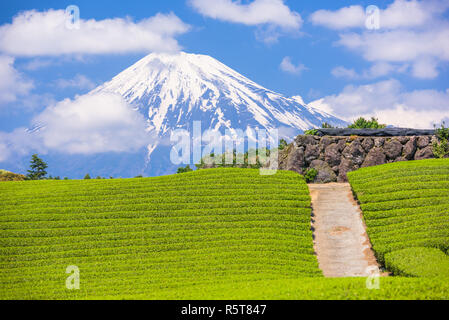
(418, 262)
(210, 234)
(406, 210)
(155, 234)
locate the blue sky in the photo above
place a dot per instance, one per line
(320, 50)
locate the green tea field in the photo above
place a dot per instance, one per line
(143, 235)
(214, 234)
(406, 209)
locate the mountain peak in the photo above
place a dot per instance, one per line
(174, 89)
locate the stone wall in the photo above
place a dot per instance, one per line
(333, 156)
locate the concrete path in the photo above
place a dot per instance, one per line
(341, 243)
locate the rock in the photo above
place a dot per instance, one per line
(332, 155)
(305, 140)
(325, 172)
(342, 144)
(403, 140)
(367, 144)
(295, 160)
(355, 153)
(393, 149)
(375, 157)
(346, 166)
(410, 149)
(426, 153)
(423, 142)
(335, 169)
(434, 140)
(379, 142)
(312, 153)
(326, 141)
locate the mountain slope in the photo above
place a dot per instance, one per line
(175, 89)
(172, 91)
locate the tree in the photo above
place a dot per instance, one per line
(184, 170)
(37, 168)
(282, 144)
(362, 123)
(87, 177)
(441, 147)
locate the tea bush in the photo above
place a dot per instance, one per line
(136, 236)
(406, 205)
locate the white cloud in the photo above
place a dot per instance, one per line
(406, 14)
(37, 64)
(347, 17)
(18, 142)
(274, 14)
(92, 123)
(88, 124)
(425, 68)
(34, 33)
(4, 151)
(424, 50)
(378, 69)
(399, 14)
(79, 82)
(12, 83)
(342, 72)
(412, 33)
(400, 45)
(388, 101)
(288, 66)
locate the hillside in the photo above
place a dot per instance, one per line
(141, 236)
(406, 210)
(210, 234)
(10, 176)
(170, 92)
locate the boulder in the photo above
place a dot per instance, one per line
(312, 153)
(305, 140)
(367, 144)
(426, 153)
(423, 142)
(393, 149)
(355, 153)
(332, 155)
(379, 142)
(346, 166)
(326, 141)
(375, 157)
(295, 160)
(434, 140)
(403, 140)
(325, 172)
(342, 144)
(410, 149)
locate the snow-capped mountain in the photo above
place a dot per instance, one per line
(174, 89)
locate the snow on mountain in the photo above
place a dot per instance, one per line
(172, 90)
